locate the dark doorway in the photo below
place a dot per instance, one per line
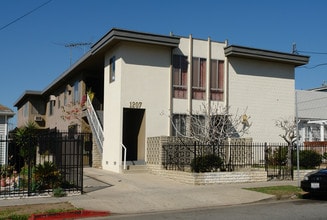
(133, 133)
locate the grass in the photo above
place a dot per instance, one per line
(280, 192)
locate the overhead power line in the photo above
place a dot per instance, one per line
(315, 66)
(311, 52)
(26, 14)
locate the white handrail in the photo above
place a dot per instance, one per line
(125, 152)
(94, 122)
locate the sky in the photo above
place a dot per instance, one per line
(35, 34)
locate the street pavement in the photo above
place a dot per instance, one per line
(134, 193)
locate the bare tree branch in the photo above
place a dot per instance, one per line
(212, 125)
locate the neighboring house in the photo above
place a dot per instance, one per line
(140, 79)
(5, 115)
(312, 115)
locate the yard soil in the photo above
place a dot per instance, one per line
(38, 208)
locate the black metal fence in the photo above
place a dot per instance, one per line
(247, 156)
(53, 166)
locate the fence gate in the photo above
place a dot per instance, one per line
(276, 162)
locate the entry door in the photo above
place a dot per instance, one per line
(134, 133)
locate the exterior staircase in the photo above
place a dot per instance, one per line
(95, 119)
(95, 123)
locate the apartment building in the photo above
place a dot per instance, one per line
(142, 83)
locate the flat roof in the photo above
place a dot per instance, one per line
(268, 55)
(25, 95)
(111, 38)
(97, 51)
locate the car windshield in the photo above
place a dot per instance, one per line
(324, 171)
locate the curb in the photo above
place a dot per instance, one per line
(69, 215)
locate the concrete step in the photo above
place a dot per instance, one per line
(136, 169)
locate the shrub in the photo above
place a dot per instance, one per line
(207, 163)
(278, 156)
(47, 176)
(309, 159)
(59, 192)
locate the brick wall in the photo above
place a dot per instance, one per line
(96, 155)
(211, 178)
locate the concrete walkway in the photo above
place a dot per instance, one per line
(144, 192)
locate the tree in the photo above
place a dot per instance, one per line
(26, 139)
(212, 125)
(74, 114)
(289, 136)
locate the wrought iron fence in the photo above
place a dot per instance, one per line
(234, 156)
(55, 165)
(273, 158)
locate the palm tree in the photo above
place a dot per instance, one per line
(26, 139)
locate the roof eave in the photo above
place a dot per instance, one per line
(110, 38)
(10, 114)
(27, 93)
(141, 37)
(267, 55)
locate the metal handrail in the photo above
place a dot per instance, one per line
(125, 152)
(94, 122)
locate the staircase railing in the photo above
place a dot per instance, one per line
(94, 123)
(125, 152)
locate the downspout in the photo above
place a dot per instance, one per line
(226, 94)
(190, 78)
(170, 104)
(208, 80)
(189, 85)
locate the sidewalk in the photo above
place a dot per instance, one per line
(144, 192)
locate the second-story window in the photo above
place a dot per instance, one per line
(51, 107)
(199, 78)
(180, 76)
(76, 92)
(65, 96)
(112, 70)
(25, 110)
(217, 80)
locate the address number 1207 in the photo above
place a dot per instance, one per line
(135, 104)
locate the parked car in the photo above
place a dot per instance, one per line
(315, 181)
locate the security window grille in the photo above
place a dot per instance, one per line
(179, 125)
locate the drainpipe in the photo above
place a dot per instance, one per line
(208, 92)
(190, 66)
(226, 93)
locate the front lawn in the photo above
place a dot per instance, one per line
(280, 192)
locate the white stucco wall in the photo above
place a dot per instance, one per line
(142, 75)
(266, 90)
